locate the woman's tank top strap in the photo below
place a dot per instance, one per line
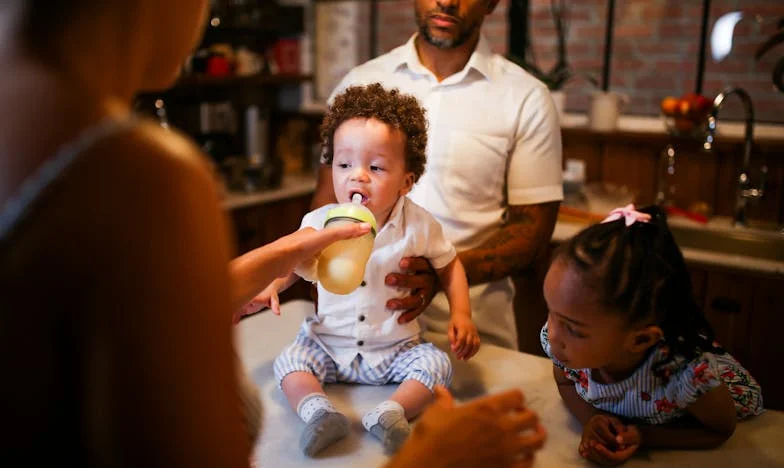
(19, 205)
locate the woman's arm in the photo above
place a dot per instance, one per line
(712, 422)
(254, 270)
(580, 408)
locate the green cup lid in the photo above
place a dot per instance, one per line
(352, 211)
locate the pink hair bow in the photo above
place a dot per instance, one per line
(629, 214)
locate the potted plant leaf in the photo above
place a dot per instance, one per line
(560, 73)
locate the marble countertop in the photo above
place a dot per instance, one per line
(655, 125)
(756, 442)
(293, 185)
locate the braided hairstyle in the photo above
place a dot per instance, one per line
(639, 271)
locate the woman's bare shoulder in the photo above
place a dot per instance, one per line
(151, 148)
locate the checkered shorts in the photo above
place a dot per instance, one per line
(412, 360)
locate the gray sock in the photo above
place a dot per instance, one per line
(388, 423)
(324, 429)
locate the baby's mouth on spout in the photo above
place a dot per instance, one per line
(357, 192)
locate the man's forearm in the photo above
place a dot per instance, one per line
(515, 246)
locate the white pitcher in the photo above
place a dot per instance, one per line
(606, 107)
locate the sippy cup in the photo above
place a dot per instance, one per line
(341, 266)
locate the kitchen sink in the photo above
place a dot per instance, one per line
(767, 245)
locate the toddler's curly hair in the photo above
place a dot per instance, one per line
(400, 111)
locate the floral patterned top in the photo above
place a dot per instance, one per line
(657, 396)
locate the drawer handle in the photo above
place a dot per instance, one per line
(726, 305)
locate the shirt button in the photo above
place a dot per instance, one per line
(361, 318)
(360, 343)
(363, 284)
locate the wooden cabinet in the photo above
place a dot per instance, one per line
(258, 225)
(745, 312)
(631, 159)
(765, 347)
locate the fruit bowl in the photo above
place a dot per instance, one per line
(684, 127)
(687, 115)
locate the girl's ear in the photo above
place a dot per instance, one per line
(408, 184)
(644, 338)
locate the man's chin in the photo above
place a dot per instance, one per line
(439, 39)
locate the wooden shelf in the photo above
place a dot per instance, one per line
(202, 81)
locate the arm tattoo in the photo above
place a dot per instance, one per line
(513, 248)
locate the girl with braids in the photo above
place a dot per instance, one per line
(634, 357)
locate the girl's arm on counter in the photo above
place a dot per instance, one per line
(712, 422)
(580, 408)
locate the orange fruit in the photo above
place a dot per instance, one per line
(669, 105)
(685, 107)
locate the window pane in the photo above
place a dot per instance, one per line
(740, 68)
(654, 49)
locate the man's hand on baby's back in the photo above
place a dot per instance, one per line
(418, 276)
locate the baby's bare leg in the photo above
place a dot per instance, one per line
(413, 397)
(324, 424)
(298, 385)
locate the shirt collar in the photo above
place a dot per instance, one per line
(480, 59)
(396, 216)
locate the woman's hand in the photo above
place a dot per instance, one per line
(307, 243)
(418, 276)
(267, 298)
(256, 269)
(496, 430)
(463, 337)
(608, 441)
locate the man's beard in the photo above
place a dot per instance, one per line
(463, 35)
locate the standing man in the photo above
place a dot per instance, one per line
(493, 176)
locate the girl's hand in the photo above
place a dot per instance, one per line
(267, 298)
(463, 337)
(608, 441)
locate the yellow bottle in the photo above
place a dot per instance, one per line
(341, 266)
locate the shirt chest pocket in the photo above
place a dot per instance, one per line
(475, 165)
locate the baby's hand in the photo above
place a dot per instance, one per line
(607, 441)
(267, 298)
(463, 337)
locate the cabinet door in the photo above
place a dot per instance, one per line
(261, 224)
(728, 301)
(766, 350)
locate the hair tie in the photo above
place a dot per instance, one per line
(629, 214)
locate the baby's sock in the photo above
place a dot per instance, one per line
(324, 424)
(388, 423)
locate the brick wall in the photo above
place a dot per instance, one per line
(656, 48)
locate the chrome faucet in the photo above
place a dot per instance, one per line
(745, 192)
